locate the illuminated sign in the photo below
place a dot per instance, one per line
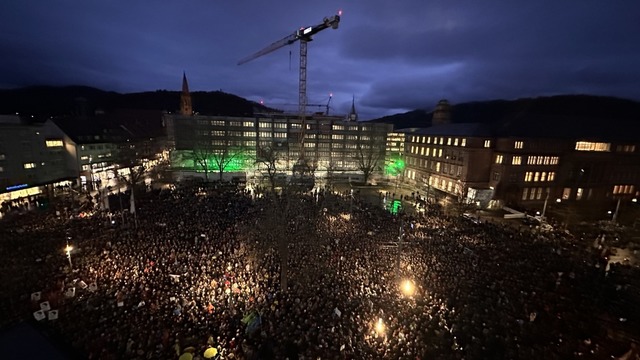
(16, 187)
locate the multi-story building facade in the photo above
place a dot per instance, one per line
(33, 156)
(335, 147)
(451, 158)
(470, 161)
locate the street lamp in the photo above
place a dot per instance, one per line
(407, 287)
(67, 250)
(379, 327)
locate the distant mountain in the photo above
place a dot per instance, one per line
(555, 116)
(46, 101)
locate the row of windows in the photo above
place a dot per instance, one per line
(539, 176)
(54, 143)
(592, 146)
(532, 160)
(626, 148)
(439, 140)
(623, 189)
(542, 160)
(534, 193)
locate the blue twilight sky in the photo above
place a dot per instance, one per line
(392, 55)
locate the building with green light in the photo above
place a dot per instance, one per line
(336, 148)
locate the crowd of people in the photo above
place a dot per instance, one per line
(313, 276)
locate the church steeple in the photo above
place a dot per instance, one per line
(353, 115)
(185, 98)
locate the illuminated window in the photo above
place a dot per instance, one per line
(296, 126)
(554, 160)
(463, 142)
(217, 133)
(249, 124)
(309, 145)
(439, 152)
(543, 176)
(281, 135)
(1, 169)
(487, 143)
(566, 193)
(623, 189)
(337, 127)
(429, 140)
(552, 176)
(84, 157)
(579, 193)
(438, 166)
(54, 143)
(421, 151)
(592, 146)
(449, 141)
(518, 144)
(536, 176)
(528, 176)
(539, 194)
(250, 143)
(235, 123)
(441, 141)
(29, 165)
(516, 160)
(455, 142)
(217, 122)
(525, 193)
(280, 125)
(264, 124)
(499, 159)
(427, 152)
(337, 137)
(249, 134)
(265, 134)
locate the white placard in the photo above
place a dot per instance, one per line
(53, 314)
(44, 306)
(36, 296)
(39, 315)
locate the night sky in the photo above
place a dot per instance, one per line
(393, 56)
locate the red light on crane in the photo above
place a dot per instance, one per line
(340, 12)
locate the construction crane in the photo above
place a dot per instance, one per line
(303, 35)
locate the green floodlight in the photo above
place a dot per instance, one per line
(395, 167)
(396, 206)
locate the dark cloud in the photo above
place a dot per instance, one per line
(392, 56)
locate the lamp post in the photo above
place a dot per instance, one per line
(544, 208)
(67, 250)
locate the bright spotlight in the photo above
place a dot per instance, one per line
(407, 287)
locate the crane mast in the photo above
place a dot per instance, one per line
(303, 35)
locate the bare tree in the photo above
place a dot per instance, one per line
(367, 159)
(201, 156)
(222, 158)
(269, 157)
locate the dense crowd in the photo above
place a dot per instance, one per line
(198, 269)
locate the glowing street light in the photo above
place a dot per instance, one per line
(380, 327)
(407, 287)
(67, 250)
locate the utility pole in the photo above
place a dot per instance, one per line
(615, 214)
